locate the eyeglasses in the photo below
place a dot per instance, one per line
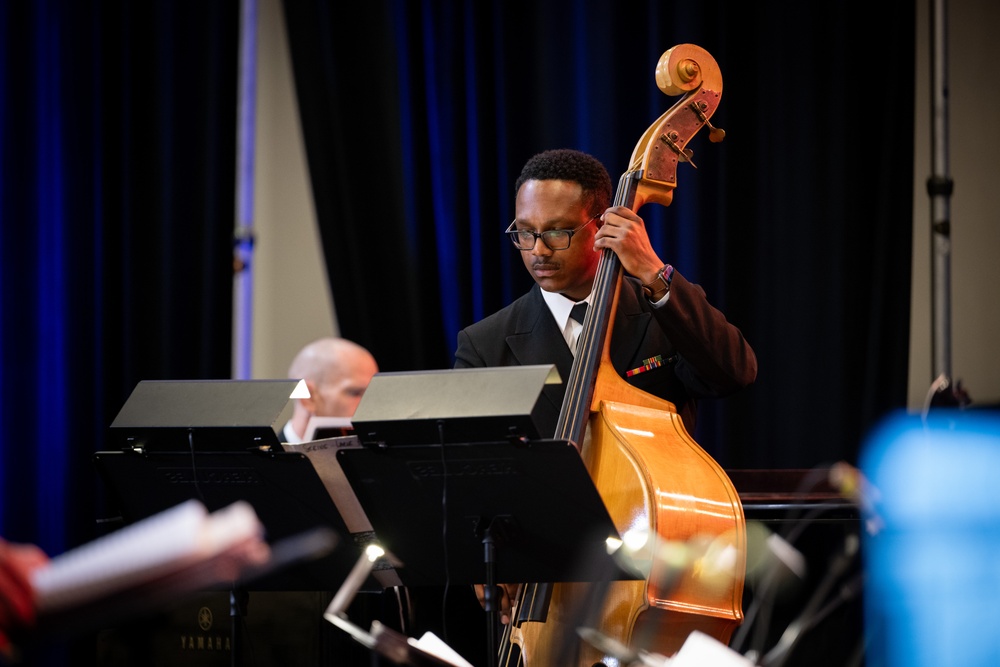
(554, 239)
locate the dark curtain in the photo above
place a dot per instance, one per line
(117, 167)
(419, 115)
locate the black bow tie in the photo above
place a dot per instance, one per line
(579, 311)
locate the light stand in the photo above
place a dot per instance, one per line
(939, 186)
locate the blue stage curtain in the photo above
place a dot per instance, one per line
(117, 168)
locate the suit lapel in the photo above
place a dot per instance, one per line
(537, 340)
(631, 323)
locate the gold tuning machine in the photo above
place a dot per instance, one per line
(715, 134)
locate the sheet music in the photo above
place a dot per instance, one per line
(178, 538)
(431, 643)
(323, 455)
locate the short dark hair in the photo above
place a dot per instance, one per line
(566, 164)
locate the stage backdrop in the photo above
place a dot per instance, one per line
(117, 173)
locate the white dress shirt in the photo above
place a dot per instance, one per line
(560, 308)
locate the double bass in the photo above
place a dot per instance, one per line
(656, 481)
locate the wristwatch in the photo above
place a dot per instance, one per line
(660, 285)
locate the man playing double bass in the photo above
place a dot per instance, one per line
(667, 339)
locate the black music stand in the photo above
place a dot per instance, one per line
(216, 441)
(282, 487)
(519, 509)
(516, 512)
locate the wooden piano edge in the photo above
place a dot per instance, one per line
(780, 495)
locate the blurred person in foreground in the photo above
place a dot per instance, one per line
(17, 599)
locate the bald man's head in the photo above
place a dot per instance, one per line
(337, 372)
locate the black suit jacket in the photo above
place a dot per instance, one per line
(705, 355)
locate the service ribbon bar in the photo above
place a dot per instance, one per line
(647, 365)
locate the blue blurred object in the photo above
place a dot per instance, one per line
(933, 566)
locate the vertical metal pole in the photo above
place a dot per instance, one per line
(939, 187)
(243, 239)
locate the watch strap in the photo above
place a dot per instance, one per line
(660, 285)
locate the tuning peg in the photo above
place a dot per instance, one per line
(683, 154)
(715, 134)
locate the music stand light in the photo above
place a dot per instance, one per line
(210, 415)
(477, 404)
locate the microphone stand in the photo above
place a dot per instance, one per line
(812, 612)
(383, 641)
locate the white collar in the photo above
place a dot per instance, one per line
(291, 437)
(560, 306)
